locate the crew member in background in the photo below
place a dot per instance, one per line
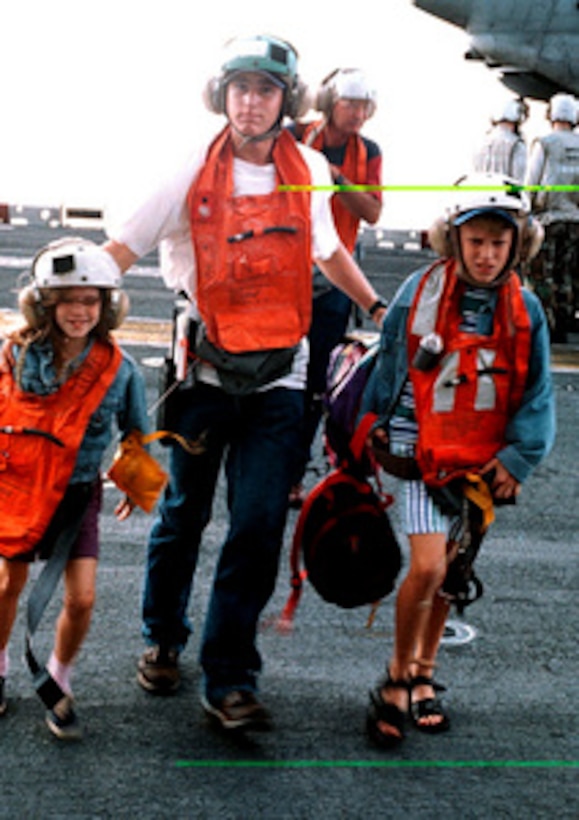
(242, 249)
(554, 160)
(346, 100)
(504, 150)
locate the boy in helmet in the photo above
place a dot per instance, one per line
(504, 150)
(70, 373)
(346, 99)
(554, 161)
(481, 404)
(242, 250)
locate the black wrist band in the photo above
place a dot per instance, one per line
(379, 303)
(340, 180)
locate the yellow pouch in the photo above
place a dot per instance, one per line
(136, 472)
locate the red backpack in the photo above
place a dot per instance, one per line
(343, 535)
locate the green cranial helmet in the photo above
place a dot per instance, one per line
(261, 53)
(272, 56)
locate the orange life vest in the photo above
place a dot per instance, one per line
(355, 168)
(463, 405)
(34, 470)
(253, 253)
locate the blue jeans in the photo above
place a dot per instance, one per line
(259, 436)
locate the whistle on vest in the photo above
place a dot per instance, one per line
(428, 352)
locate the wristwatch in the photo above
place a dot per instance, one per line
(379, 303)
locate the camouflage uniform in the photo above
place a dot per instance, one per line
(554, 274)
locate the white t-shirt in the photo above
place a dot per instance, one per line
(163, 221)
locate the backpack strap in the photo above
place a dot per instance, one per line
(298, 574)
(285, 621)
(361, 433)
(192, 446)
(68, 516)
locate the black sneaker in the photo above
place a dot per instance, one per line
(239, 710)
(3, 704)
(63, 721)
(158, 670)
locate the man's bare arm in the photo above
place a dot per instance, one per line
(122, 254)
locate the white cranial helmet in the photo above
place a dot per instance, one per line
(353, 84)
(513, 110)
(562, 108)
(493, 195)
(345, 84)
(75, 262)
(476, 194)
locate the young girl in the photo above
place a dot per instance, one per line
(57, 406)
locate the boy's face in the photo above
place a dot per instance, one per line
(485, 246)
(253, 103)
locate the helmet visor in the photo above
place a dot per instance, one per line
(466, 216)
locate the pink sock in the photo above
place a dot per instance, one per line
(61, 673)
(4, 662)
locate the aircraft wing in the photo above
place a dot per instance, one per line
(533, 45)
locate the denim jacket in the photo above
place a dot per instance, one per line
(125, 402)
(531, 431)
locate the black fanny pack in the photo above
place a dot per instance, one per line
(243, 373)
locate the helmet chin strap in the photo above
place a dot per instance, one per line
(245, 140)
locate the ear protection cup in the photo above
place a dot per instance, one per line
(214, 96)
(324, 98)
(30, 305)
(298, 101)
(439, 237)
(118, 309)
(532, 239)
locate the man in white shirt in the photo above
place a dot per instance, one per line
(241, 248)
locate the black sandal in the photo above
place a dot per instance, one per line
(428, 707)
(381, 712)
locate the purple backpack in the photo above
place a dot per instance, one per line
(350, 366)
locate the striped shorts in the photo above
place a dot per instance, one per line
(421, 515)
